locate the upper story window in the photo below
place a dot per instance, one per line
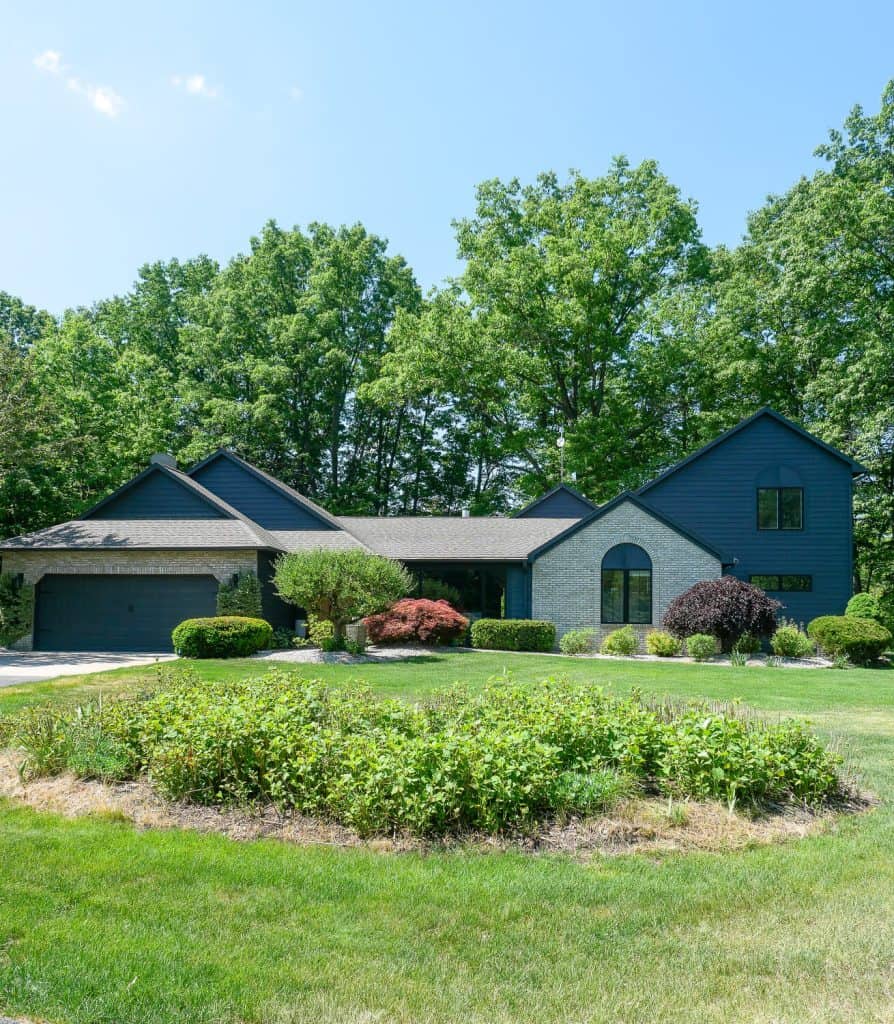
(780, 508)
(626, 585)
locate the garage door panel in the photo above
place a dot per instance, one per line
(117, 612)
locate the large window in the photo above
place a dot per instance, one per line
(780, 508)
(626, 585)
(786, 583)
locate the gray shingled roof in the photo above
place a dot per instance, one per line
(307, 540)
(195, 534)
(453, 538)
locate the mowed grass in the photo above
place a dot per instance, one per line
(101, 923)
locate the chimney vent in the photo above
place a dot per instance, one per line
(163, 459)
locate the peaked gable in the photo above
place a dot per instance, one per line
(562, 502)
(158, 493)
(265, 500)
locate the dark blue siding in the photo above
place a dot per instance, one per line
(255, 498)
(562, 504)
(157, 496)
(279, 614)
(518, 593)
(715, 496)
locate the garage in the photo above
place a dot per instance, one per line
(117, 612)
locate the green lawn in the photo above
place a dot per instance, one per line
(100, 923)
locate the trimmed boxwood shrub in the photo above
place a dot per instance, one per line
(860, 640)
(416, 620)
(725, 608)
(513, 635)
(789, 642)
(226, 636)
(662, 644)
(864, 606)
(623, 641)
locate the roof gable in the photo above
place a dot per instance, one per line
(634, 499)
(159, 493)
(562, 502)
(854, 466)
(258, 495)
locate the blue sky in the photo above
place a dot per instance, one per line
(141, 132)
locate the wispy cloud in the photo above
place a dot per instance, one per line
(296, 94)
(102, 98)
(196, 85)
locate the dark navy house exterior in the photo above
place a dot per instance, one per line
(766, 501)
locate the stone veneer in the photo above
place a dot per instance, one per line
(566, 580)
(33, 565)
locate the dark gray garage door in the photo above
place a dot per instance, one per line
(117, 613)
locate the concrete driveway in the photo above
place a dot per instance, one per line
(35, 667)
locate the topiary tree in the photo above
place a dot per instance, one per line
(864, 606)
(340, 586)
(725, 608)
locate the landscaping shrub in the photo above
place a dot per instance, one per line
(500, 760)
(227, 636)
(416, 620)
(438, 590)
(864, 606)
(16, 608)
(513, 635)
(701, 646)
(789, 642)
(859, 640)
(578, 641)
(747, 643)
(726, 608)
(662, 644)
(241, 596)
(321, 633)
(622, 641)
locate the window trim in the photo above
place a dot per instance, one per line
(778, 527)
(625, 599)
(780, 576)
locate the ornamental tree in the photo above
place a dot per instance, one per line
(416, 619)
(340, 586)
(725, 608)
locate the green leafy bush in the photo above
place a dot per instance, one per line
(321, 633)
(241, 596)
(864, 606)
(789, 642)
(701, 646)
(513, 635)
(860, 640)
(623, 641)
(502, 759)
(662, 644)
(747, 644)
(578, 641)
(438, 590)
(227, 636)
(16, 609)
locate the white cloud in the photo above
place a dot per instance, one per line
(296, 93)
(102, 98)
(195, 85)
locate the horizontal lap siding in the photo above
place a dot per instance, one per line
(157, 496)
(715, 496)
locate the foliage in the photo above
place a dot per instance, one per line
(416, 620)
(437, 590)
(623, 641)
(513, 634)
(340, 586)
(701, 646)
(226, 636)
(664, 645)
(860, 640)
(726, 608)
(864, 606)
(578, 641)
(240, 596)
(503, 759)
(16, 609)
(747, 643)
(790, 642)
(321, 633)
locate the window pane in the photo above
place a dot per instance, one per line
(767, 508)
(800, 583)
(791, 504)
(765, 582)
(612, 595)
(640, 595)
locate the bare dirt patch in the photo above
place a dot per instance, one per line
(648, 825)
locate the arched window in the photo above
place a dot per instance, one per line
(626, 585)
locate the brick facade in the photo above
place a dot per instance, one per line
(566, 580)
(33, 565)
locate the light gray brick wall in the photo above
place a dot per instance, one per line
(34, 565)
(566, 580)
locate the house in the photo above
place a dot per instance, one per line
(766, 501)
